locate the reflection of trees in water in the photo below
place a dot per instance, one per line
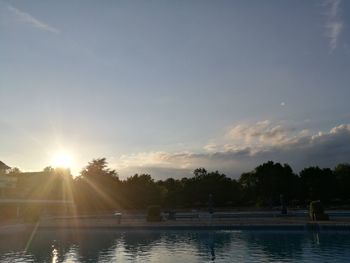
(90, 245)
(9, 241)
(138, 243)
(87, 244)
(210, 243)
(100, 245)
(276, 245)
(39, 249)
(12, 246)
(295, 245)
(213, 243)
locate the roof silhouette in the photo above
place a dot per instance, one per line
(3, 166)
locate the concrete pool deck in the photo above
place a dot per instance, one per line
(280, 223)
(138, 222)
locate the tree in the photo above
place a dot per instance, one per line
(173, 190)
(196, 190)
(96, 189)
(98, 168)
(268, 182)
(14, 171)
(249, 184)
(318, 183)
(200, 172)
(141, 191)
(49, 170)
(342, 174)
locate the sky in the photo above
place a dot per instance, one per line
(164, 87)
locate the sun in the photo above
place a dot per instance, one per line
(62, 159)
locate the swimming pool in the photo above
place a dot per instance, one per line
(174, 246)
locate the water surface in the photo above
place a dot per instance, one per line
(174, 246)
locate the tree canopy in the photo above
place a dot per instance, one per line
(99, 189)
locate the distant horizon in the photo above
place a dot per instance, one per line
(164, 87)
(176, 173)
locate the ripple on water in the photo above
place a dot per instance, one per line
(176, 246)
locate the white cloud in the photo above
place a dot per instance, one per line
(334, 24)
(298, 148)
(260, 133)
(32, 21)
(211, 147)
(142, 159)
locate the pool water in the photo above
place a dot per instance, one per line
(174, 246)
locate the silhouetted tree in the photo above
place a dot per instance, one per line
(141, 191)
(98, 168)
(96, 189)
(173, 190)
(318, 183)
(200, 172)
(249, 184)
(268, 181)
(223, 189)
(49, 170)
(342, 175)
(14, 171)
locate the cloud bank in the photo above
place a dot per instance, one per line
(247, 146)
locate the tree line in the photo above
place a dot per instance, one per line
(99, 188)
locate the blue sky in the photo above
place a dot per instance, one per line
(166, 86)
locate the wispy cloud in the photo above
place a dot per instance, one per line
(31, 20)
(334, 24)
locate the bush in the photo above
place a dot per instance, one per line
(153, 213)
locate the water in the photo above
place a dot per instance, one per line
(174, 246)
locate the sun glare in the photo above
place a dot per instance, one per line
(62, 159)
